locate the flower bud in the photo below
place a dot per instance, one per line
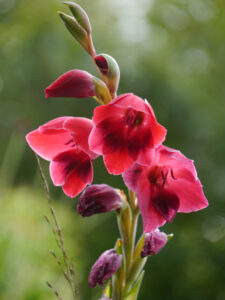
(105, 298)
(106, 265)
(78, 32)
(74, 83)
(98, 198)
(154, 242)
(110, 70)
(80, 15)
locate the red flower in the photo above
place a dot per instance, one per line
(167, 186)
(125, 132)
(64, 142)
(74, 83)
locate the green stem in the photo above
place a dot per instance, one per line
(132, 265)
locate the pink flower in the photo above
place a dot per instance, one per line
(167, 186)
(64, 142)
(125, 132)
(74, 83)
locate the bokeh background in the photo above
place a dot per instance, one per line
(171, 52)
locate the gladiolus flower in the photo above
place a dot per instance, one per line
(64, 142)
(98, 198)
(154, 242)
(106, 265)
(125, 132)
(167, 186)
(74, 83)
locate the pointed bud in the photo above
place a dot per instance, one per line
(78, 32)
(110, 70)
(106, 265)
(98, 198)
(74, 83)
(154, 242)
(80, 15)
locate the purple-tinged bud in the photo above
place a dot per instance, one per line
(98, 198)
(154, 242)
(106, 265)
(105, 298)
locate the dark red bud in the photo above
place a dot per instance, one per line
(74, 83)
(98, 198)
(106, 265)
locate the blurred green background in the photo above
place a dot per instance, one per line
(171, 52)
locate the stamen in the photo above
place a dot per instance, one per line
(69, 142)
(164, 177)
(172, 174)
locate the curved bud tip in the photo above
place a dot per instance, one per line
(80, 15)
(154, 242)
(98, 198)
(74, 83)
(102, 64)
(110, 70)
(106, 265)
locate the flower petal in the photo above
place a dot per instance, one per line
(50, 139)
(72, 170)
(178, 162)
(166, 203)
(81, 128)
(118, 162)
(190, 195)
(107, 137)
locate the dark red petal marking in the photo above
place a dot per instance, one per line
(102, 64)
(166, 203)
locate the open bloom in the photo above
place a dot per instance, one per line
(125, 132)
(64, 142)
(74, 83)
(167, 186)
(106, 265)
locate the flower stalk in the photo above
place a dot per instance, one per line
(132, 266)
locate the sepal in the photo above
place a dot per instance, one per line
(102, 94)
(133, 294)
